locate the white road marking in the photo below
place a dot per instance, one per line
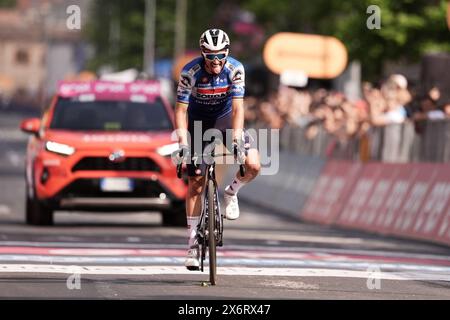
(225, 271)
(298, 285)
(225, 262)
(380, 253)
(291, 236)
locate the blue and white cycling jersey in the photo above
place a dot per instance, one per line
(210, 96)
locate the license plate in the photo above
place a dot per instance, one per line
(116, 184)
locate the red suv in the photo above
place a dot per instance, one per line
(103, 146)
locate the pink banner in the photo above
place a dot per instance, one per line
(422, 178)
(407, 200)
(431, 215)
(354, 208)
(403, 175)
(108, 89)
(330, 191)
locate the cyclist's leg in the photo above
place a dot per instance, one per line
(252, 165)
(194, 205)
(196, 172)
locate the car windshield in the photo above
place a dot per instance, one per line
(72, 114)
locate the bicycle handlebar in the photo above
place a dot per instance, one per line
(241, 166)
(179, 167)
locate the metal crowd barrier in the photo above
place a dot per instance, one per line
(426, 141)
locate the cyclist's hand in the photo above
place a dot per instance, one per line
(239, 151)
(180, 155)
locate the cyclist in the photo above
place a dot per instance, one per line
(210, 92)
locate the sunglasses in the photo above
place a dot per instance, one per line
(212, 56)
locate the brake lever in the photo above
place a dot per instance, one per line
(180, 165)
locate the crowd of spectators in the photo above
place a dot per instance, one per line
(390, 102)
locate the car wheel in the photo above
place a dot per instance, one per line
(175, 217)
(38, 213)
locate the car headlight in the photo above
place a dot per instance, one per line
(168, 149)
(59, 148)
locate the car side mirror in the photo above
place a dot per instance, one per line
(31, 125)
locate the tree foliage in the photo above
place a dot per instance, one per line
(7, 3)
(116, 30)
(409, 28)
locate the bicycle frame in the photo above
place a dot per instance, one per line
(209, 237)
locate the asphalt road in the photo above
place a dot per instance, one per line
(266, 255)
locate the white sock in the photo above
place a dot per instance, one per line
(192, 229)
(234, 187)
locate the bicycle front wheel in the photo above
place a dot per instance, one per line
(212, 201)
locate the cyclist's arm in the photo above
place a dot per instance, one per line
(238, 91)
(184, 90)
(181, 122)
(238, 118)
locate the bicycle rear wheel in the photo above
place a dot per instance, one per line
(211, 230)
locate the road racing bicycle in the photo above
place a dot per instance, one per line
(210, 225)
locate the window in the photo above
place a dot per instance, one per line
(22, 56)
(71, 114)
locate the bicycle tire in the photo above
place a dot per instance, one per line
(211, 230)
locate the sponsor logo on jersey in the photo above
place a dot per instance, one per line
(183, 92)
(207, 96)
(237, 76)
(192, 71)
(212, 93)
(238, 90)
(212, 90)
(201, 103)
(185, 81)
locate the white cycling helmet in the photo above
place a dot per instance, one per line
(215, 40)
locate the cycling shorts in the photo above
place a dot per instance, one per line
(199, 140)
